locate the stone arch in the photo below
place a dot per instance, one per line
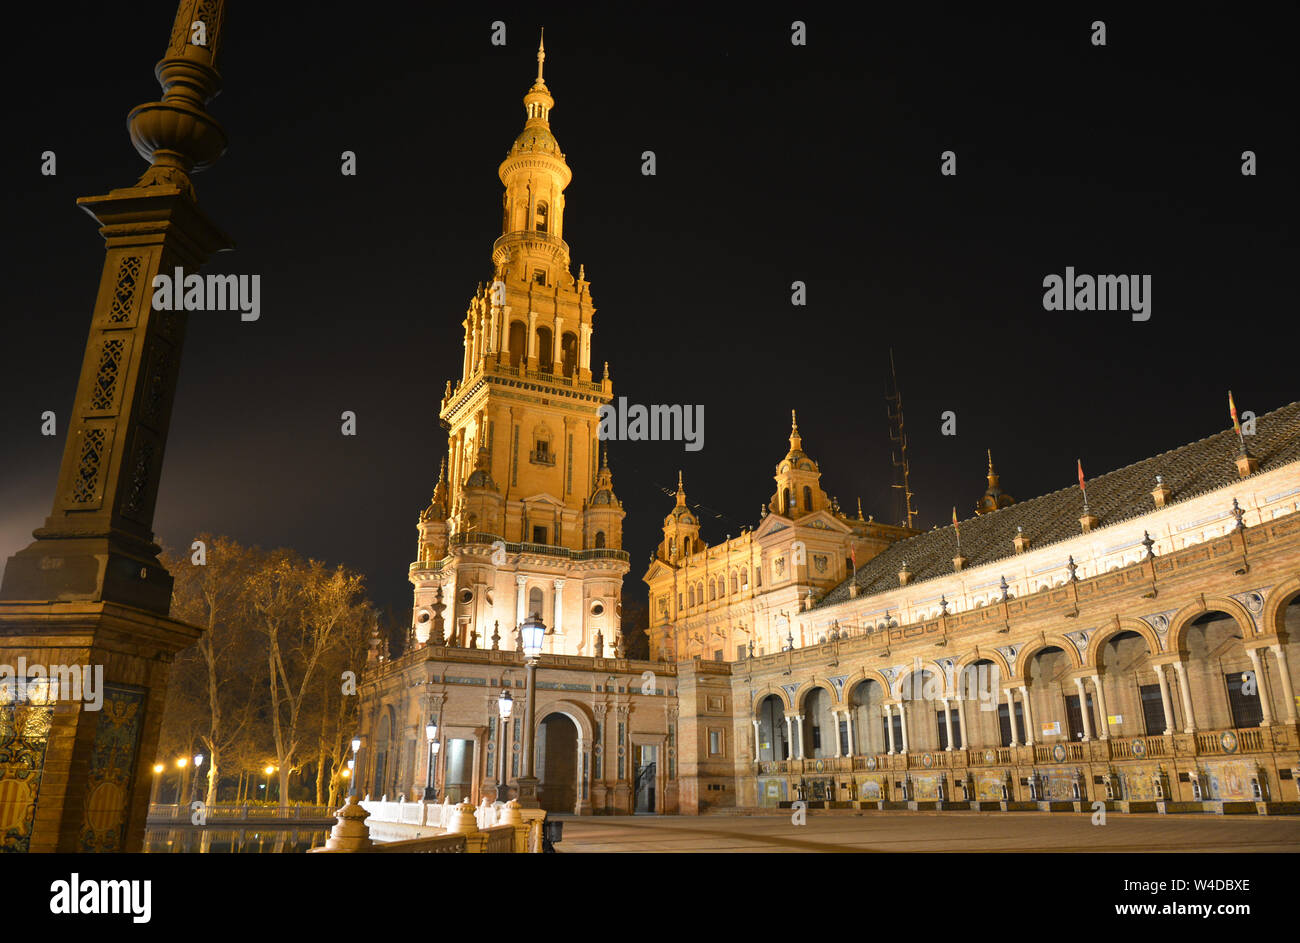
(779, 692)
(575, 712)
(1046, 641)
(853, 680)
(933, 668)
(806, 691)
(1115, 627)
(1275, 605)
(1199, 607)
(992, 655)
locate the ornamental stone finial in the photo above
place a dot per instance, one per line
(177, 135)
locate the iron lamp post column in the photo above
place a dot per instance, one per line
(430, 788)
(532, 633)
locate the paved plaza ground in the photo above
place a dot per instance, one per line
(931, 831)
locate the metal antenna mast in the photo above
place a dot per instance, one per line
(897, 434)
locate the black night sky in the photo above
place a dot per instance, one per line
(775, 163)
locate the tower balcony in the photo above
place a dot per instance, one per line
(529, 239)
(532, 549)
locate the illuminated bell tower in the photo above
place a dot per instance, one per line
(798, 480)
(533, 524)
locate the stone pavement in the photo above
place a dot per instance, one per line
(931, 831)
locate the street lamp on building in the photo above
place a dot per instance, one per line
(532, 633)
(431, 731)
(505, 704)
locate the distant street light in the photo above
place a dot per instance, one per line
(532, 633)
(505, 704)
(431, 732)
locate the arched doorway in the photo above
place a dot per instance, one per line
(866, 700)
(382, 747)
(557, 763)
(979, 687)
(771, 729)
(1223, 688)
(1131, 688)
(820, 727)
(1048, 692)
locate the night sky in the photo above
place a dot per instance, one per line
(775, 163)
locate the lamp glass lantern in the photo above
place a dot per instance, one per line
(532, 630)
(356, 744)
(505, 704)
(431, 731)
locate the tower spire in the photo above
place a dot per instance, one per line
(796, 441)
(541, 57)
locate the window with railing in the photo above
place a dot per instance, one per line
(1153, 709)
(1243, 699)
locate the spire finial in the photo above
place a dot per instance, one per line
(796, 442)
(541, 55)
(990, 454)
(442, 470)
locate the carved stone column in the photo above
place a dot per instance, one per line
(90, 591)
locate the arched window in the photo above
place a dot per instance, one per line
(569, 352)
(518, 342)
(600, 539)
(544, 353)
(690, 596)
(807, 498)
(543, 215)
(534, 603)
(735, 582)
(713, 590)
(785, 501)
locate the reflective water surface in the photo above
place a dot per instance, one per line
(259, 840)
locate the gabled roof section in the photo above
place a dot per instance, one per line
(1189, 470)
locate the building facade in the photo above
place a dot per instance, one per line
(1132, 644)
(524, 519)
(737, 599)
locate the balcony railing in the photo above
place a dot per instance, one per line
(546, 550)
(530, 235)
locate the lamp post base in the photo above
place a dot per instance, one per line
(527, 796)
(430, 794)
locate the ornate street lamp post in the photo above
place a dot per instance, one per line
(353, 765)
(431, 732)
(532, 632)
(198, 765)
(505, 704)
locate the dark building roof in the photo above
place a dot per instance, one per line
(1113, 497)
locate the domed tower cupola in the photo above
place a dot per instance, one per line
(482, 506)
(603, 515)
(798, 480)
(433, 522)
(994, 497)
(535, 175)
(681, 530)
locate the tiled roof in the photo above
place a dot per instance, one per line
(1115, 496)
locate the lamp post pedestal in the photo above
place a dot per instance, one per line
(527, 783)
